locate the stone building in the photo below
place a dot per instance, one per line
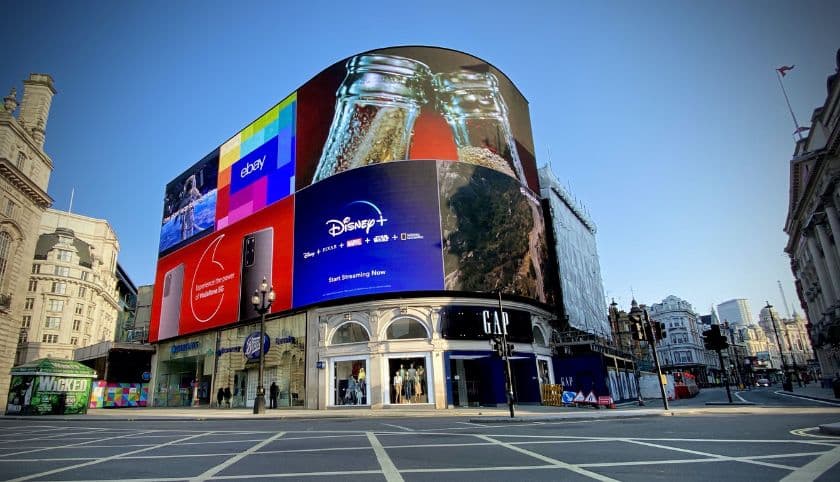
(796, 352)
(813, 225)
(682, 348)
(72, 298)
(25, 170)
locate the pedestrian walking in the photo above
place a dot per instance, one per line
(273, 392)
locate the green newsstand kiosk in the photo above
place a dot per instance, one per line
(50, 387)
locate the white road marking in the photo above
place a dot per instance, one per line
(738, 394)
(236, 458)
(41, 449)
(549, 460)
(389, 470)
(712, 455)
(815, 468)
(470, 423)
(398, 426)
(104, 459)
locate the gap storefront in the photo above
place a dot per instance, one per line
(432, 352)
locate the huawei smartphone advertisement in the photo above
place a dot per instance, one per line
(366, 231)
(210, 282)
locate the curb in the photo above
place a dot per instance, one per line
(810, 397)
(727, 404)
(560, 418)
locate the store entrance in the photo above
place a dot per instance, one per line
(181, 381)
(466, 376)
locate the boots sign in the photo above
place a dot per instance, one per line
(482, 323)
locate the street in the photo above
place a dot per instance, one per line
(771, 441)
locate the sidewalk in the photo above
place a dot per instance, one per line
(524, 413)
(813, 391)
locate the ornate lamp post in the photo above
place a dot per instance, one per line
(262, 299)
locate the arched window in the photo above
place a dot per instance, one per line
(5, 247)
(406, 328)
(539, 338)
(350, 332)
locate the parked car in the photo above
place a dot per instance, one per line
(762, 382)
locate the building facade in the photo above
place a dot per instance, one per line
(127, 313)
(25, 170)
(813, 226)
(682, 349)
(736, 312)
(796, 352)
(71, 299)
(389, 280)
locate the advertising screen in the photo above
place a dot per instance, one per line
(371, 230)
(210, 282)
(320, 169)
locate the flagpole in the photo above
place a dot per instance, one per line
(782, 85)
(72, 192)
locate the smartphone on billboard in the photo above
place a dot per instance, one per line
(257, 249)
(170, 311)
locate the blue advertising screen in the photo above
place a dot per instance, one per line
(368, 231)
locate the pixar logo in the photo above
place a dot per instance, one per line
(250, 167)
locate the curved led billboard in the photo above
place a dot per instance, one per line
(339, 216)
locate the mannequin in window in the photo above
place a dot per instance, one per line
(419, 385)
(409, 382)
(362, 377)
(350, 391)
(398, 383)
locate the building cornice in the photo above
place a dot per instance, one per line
(32, 191)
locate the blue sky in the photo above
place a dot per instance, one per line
(665, 118)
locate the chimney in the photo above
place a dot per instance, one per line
(38, 92)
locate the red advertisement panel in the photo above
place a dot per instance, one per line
(210, 282)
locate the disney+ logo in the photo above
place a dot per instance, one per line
(337, 227)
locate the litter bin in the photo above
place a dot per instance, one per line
(835, 385)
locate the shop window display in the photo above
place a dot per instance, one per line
(409, 380)
(350, 378)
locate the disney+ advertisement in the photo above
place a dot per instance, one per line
(368, 231)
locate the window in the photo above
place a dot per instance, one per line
(33, 285)
(63, 255)
(53, 322)
(405, 328)
(5, 246)
(62, 271)
(82, 291)
(87, 341)
(23, 336)
(9, 208)
(36, 268)
(74, 341)
(84, 276)
(49, 338)
(539, 339)
(27, 320)
(59, 287)
(21, 160)
(350, 381)
(65, 240)
(56, 305)
(77, 325)
(79, 308)
(351, 332)
(29, 303)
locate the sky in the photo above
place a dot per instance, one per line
(665, 119)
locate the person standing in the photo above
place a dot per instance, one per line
(227, 396)
(273, 392)
(219, 397)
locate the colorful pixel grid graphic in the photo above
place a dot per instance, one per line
(108, 395)
(257, 165)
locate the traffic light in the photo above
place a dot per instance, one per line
(637, 330)
(659, 328)
(714, 340)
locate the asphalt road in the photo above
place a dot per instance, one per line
(772, 442)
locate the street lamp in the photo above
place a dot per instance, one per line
(262, 299)
(786, 384)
